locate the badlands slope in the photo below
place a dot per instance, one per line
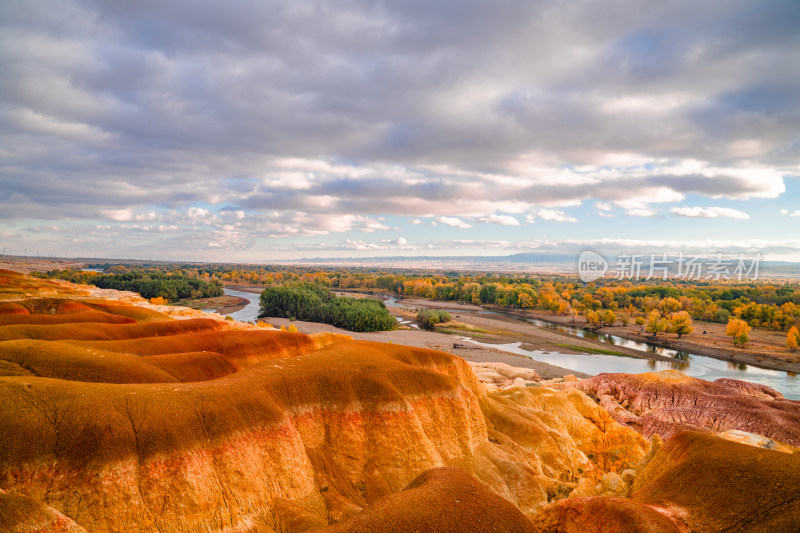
(116, 415)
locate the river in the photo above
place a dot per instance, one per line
(250, 311)
(699, 366)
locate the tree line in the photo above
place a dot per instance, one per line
(170, 286)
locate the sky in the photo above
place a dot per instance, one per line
(271, 130)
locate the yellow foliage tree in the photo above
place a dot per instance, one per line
(669, 305)
(793, 338)
(738, 329)
(681, 323)
(158, 300)
(609, 318)
(592, 318)
(655, 323)
(293, 328)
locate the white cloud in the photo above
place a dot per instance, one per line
(784, 211)
(641, 212)
(120, 215)
(503, 220)
(553, 215)
(453, 222)
(198, 213)
(145, 216)
(603, 206)
(709, 212)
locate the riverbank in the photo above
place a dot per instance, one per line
(711, 344)
(499, 328)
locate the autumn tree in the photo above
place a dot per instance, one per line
(793, 338)
(669, 305)
(681, 323)
(609, 318)
(639, 321)
(738, 329)
(655, 323)
(592, 318)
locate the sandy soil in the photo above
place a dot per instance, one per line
(223, 305)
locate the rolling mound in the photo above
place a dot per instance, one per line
(607, 514)
(441, 500)
(20, 514)
(715, 484)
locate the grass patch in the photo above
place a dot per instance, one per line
(450, 331)
(461, 326)
(592, 350)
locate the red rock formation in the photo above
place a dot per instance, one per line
(667, 402)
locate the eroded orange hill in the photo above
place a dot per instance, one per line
(140, 422)
(116, 416)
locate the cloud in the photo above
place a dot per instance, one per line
(179, 112)
(453, 222)
(641, 212)
(553, 215)
(504, 220)
(119, 214)
(709, 212)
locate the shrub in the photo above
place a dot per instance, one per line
(428, 318)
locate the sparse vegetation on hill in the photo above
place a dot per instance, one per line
(316, 303)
